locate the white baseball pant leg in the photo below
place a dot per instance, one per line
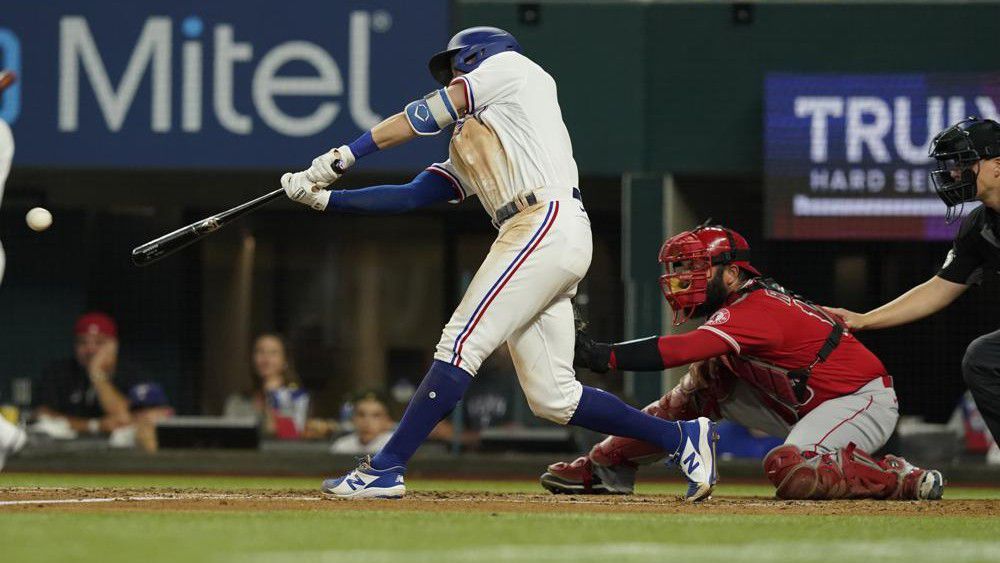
(521, 295)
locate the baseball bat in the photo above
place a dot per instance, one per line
(170, 243)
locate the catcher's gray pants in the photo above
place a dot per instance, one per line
(866, 417)
(981, 370)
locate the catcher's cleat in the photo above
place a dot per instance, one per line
(367, 482)
(914, 483)
(584, 477)
(696, 457)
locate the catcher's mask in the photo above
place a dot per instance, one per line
(688, 258)
(956, 151)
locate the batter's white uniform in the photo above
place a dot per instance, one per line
(6, 157)
(512, 143)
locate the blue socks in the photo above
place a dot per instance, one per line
(603, 412)
(439, 392)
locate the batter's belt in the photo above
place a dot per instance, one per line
(512, 208)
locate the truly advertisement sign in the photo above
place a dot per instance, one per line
(219, 84)
(846, 155)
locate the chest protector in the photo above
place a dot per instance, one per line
(786, 389)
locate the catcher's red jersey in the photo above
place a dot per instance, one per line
(780, 330)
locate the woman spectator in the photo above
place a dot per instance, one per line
(277, 396)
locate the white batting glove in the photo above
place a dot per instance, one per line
(298, 187)
(323, 170)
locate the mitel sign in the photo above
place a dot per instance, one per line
(211, 86)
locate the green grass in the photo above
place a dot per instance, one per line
(374, 537)
(388, 536)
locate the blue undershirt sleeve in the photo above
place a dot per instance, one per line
(427, 188)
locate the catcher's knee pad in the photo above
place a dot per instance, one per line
(790, 473)
(798, 475)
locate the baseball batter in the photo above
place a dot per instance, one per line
(511, 149)
(12, 438)
(769, 360)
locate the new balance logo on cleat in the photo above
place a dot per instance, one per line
(692, 462)
(355, 483)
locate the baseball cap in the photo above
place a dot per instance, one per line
(95, 322)
(147, 395)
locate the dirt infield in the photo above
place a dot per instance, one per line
(159, 499)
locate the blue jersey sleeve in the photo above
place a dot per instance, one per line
(427, 188)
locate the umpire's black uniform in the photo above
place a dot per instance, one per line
(977, 248)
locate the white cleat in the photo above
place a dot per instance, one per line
(367, 482)
(696, 457)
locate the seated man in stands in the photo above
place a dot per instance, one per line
(89, 392)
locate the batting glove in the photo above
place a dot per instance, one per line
(298, 187)
(329, 166)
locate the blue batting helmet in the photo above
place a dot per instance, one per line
(468, 49)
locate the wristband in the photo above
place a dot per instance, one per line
(363, 145)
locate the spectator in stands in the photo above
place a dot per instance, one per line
(97, 394)
(276, 396)
(87, 394)
(372, 426)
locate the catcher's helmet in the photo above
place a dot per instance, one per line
(688, 258)
(956, 150)
(468, 49)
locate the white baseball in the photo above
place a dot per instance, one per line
(38, 219)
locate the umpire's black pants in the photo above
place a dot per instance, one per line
(981, 370)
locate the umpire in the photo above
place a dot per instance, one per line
(967, 155)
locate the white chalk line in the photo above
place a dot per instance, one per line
(154, 498)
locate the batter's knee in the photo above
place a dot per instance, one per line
(554, 405)
(466, 361)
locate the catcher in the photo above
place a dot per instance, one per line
(765, 358)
